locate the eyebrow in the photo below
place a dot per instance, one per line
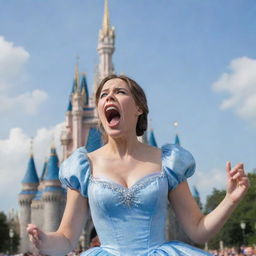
(116, 89)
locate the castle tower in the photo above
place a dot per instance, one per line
(80, 116)
(29, 189)
(66, 136)
(53, 196)
(37, 206)
(77, 112)
(106, 45)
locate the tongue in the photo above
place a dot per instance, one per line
(114, 120)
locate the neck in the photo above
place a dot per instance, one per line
(123, 147)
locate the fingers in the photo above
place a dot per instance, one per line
(33, 233)
(237, 172)
(244, 181)
(228, 168)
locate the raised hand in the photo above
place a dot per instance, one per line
(237, 182)
(36, 236)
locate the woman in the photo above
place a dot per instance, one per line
(128, 184)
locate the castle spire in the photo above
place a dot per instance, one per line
(84, 90)
(76, 77)
(177, 139)
(105, 23)
(31, 147)
(106, 46)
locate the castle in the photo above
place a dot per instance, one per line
(42, 200)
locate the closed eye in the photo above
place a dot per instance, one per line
(103, 94)
(121, 92)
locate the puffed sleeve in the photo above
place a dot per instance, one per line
(75, 171)
(178, 164)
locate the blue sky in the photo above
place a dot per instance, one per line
(195, 59)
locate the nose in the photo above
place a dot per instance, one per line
(110, 97)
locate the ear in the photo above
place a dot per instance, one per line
(139, 111)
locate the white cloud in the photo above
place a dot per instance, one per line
(240, 85)
(27, 102)
(12, 74)
(14, 155)
(207, 180)
(12, 61)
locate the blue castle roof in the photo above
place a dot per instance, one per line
(69, 108)
(75, 85)
(52, 172)
(177, 140)
(84, 90)
(31, 174)
(43, 171)
(195, 192)
(94, 140)
(152, 140)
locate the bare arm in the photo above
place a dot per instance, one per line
(201, 228)
(65, 238)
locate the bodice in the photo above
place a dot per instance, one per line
(129, 221)
(132, 216)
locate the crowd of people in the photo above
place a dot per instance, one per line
(233, 251)
(240, 251)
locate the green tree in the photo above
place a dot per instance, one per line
(6, 244)
(231, 234)
(4, 233)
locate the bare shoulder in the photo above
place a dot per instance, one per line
(151, 150)
(151, 154)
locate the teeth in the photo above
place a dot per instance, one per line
(109, 108)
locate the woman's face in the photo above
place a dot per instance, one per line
(117, 110)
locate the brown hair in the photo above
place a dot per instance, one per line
(138, 96)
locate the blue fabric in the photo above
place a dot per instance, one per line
(131, 221)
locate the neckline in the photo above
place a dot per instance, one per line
(105, 179)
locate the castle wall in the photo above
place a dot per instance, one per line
(53, 211)
(37, 216)
(25, 219)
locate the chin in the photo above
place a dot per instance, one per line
(115, 134)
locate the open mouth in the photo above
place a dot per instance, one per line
(112, 115)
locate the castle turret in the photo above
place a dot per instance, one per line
(84, 91)
(37, 206)
(29, 189)
(66, 135)
(53, 194)
(106, 45)
(77, 112)
(177, 140)
(152, 140)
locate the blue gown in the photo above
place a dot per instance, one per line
(131, 221)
